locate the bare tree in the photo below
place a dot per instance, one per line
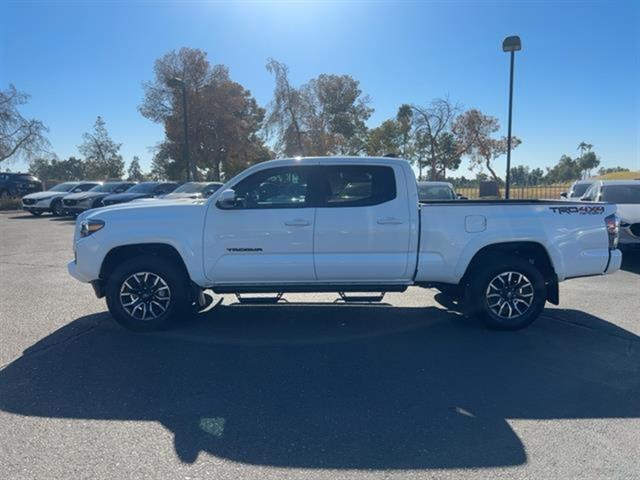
(431, 123)
(19, 137)
(285, 110)
(473, 131)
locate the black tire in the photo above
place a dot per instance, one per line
(35, 214)
(56, 208)
(483, 300)
(173, 277)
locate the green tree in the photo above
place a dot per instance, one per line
(134, 173)
(604, 171)
(386, 139)
(404, 118)
(53, 169)
(567, 169)
(19, 137)
(588, 161)
(101, 153)
(224, 120)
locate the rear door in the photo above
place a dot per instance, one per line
(363, 228)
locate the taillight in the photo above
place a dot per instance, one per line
(613, 229)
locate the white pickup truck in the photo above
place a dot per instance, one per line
(339, 225)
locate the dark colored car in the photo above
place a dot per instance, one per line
(18, 184)
(193, 191)
(76, 203)
(141, 190)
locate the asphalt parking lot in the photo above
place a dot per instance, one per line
(406, 389)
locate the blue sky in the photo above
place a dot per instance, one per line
(577, 77)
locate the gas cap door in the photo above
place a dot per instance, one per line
(475, 223)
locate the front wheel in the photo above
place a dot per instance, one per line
(57, 208)
(507, 295)
(147, 293)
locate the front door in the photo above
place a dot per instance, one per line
(267, 237)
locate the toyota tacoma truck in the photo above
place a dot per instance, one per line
(341, 225)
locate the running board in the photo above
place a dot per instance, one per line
(259, 300)
(360, 298)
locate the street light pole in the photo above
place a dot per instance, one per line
(176, 82)
(512, 45)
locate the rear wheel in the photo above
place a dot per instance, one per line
(147, 293)
(507, 295)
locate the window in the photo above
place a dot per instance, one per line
(284, 187)
(591, 193)
(355, 185)
(428, 192)
(629, 194)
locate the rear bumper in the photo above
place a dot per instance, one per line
(615, 261)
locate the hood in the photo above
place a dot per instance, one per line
(45, 194)
(182, 196)
(83, 195)
(629, 212)
(124, 197)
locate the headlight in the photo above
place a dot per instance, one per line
(88, 227)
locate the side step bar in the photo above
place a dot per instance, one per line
(259, 300)
(360, 298)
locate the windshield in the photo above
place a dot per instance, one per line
(143, 188)
(63, 187)
(579, 189)
(435, 192)
(107, 187)
(191, 187)
(621, 193)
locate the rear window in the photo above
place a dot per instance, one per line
(355, 185)
(621, 193)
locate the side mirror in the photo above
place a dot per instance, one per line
(227, 199)
(585, 199)
(563, 195)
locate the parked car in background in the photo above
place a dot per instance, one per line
(577, 189)
(625, 194)
(193, 190)
(76, 203)
(141, 190)
(51, 200)
(429, 191)
(18, 184)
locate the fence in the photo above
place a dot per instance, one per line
(520, 192)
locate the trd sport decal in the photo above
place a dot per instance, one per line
(582, 210)
(244, 249)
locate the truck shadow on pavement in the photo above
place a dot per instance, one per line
(326, 386)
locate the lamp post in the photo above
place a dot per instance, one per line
(179, 83)
(512, 45)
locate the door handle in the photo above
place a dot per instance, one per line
(299, 222)
(389, 221)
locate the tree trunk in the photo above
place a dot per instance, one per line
(493, 174)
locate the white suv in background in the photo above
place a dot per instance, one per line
(51, 200)
(626, 194)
